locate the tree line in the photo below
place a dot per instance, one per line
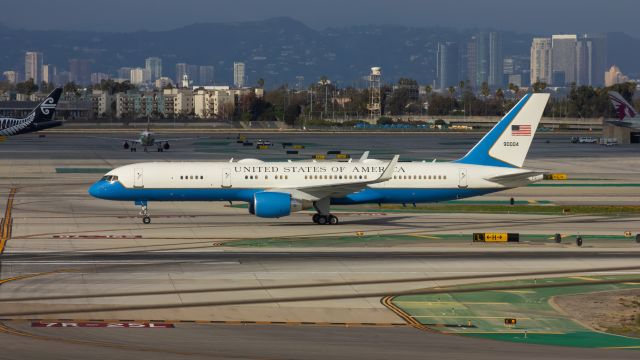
(324, 102)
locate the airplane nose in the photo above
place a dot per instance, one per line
(97, 189)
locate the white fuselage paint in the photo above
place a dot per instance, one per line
(287, 175)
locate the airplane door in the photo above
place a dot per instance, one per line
(226, 178)
(462, 178)
(138, 180)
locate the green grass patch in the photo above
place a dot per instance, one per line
(376, 240)
(568, 184)
(454, 207)
(486, 310)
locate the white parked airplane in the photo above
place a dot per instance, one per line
(276, 189)
(147, 139)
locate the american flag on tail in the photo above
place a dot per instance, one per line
(521, 130)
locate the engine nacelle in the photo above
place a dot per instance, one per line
(273, 204)
(166, 146)
(125, 145)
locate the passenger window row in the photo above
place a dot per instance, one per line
(266, 177)
(191, 177)
(420, 177)
(335, 177)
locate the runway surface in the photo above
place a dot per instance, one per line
(274, 342)
(61, 242)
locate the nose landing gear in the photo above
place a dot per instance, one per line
(144, 212)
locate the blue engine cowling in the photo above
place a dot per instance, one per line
(272, 204)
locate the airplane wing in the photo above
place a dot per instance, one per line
(315, 193)
(517, 179)
(133, 141)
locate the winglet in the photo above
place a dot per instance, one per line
(388, 172)
(365, 156)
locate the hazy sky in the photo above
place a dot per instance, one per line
(535, 16)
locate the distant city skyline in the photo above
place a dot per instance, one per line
(543, 17)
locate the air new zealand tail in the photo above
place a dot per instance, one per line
(39, 119)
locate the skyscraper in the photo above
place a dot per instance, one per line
(124, 73)
(563, 57)
(614, 76)
(238, 74)
(49, 73)
(471, 58)
(206, 75)
(139, 76)
(33, 66)
(591, 59)
(541, 60)
(80, 71)
(154, 67)
(584, 52)
(496, 72)
(484, 60)
(181, 71)
(447, 66)
(598, 59)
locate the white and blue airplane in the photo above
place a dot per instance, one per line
(276, 189)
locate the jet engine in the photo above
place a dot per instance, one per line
(273, 204)
(125, 145)
(166, 146)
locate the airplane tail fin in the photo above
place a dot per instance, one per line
(508, 142)
(623, 108)
(47, 108)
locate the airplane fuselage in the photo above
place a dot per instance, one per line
(414, 182)
(147, 139)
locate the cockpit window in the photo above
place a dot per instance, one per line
(110, 178)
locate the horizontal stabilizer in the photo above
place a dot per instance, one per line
(517, 179)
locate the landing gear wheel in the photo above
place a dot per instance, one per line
(333, 220)
(146, 220)
(322, 220)
(315, 218)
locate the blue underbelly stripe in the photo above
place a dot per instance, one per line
(115, 191)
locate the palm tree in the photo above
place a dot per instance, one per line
(452, 91)
(539, 86)
(485, 89)
(428, 89)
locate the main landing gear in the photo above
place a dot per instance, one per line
(146, 219)
(324, 217)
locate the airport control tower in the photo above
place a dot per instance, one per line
(375, 106)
